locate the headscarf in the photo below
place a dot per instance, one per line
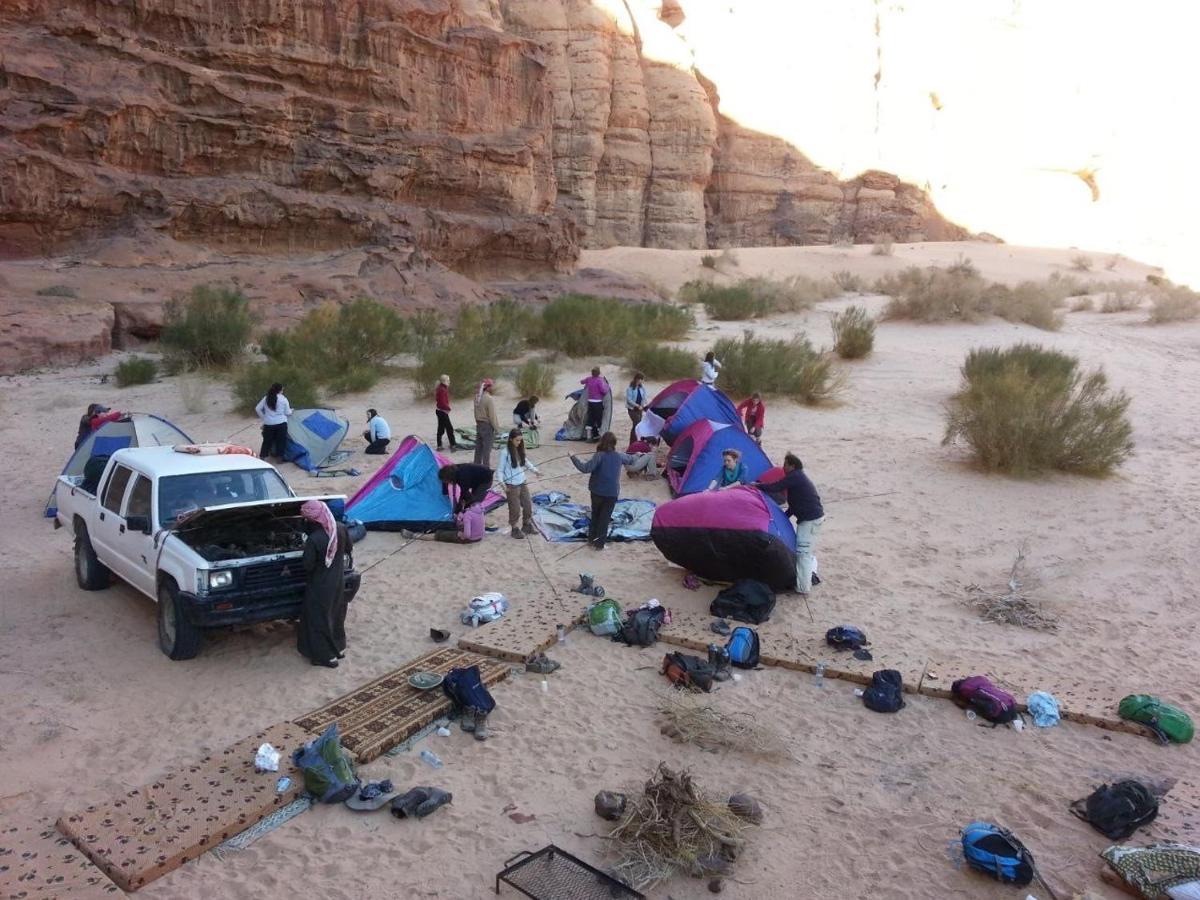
(316, 511)
(483, 386)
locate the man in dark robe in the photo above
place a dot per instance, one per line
(321, 632)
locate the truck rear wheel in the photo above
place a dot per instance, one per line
(90, 573)
(177, 637)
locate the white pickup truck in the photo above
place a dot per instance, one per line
(216, 539)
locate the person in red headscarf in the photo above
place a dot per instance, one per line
(321, 632)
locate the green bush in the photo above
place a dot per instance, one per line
(783, 368)
(250, 384)
(353, 381)
(660, 321)
(1174, 304)
(751, 298)
(733, 304)
(1031, 302)
(465, 364)
(848, 282)
(136, 370)
(535, 378)
(208, 329)
(853, 333)
(660, 361)
(709, 261)
(1026, 409)
(579, 325)
(933, 295)
(502, 327)
(57, 290)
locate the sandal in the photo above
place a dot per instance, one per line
(371, 796)
(541, 664)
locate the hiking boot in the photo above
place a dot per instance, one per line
(467, 721)
(518, 534)
(481, 729)
(529, 529)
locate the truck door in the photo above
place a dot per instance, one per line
(106, 527)
(133, 546)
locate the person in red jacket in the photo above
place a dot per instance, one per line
(97, 414)
(754, 414)
(442, 406)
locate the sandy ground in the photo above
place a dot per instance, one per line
(867, 806)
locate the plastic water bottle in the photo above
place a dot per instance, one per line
(562, 634)
(820, 674)
(432, 758)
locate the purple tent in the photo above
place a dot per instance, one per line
(696, 456)
(728, 535)
(684, 402)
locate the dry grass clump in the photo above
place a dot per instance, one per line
(1081, 262)
(1014, 604)
(1174, 304)
(693, 719)
(708, 261)
(752, 298)
(940, 295)
(727, 260)
(792, 368)
(853, 333)
(1121, 297)
(194, 391)
(672, 828)
(848, 282)
(883, 246)
(962, 265)
(1083, 304)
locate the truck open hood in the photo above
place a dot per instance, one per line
(239, 513)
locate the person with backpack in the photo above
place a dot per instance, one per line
(604, 484)
(378, 434)
(441, 405)
(512, 472)
(635, 403)
(733, 472)
(486, 423)
(597, 389)
(273, 411)
(803, 505)
(754, 414)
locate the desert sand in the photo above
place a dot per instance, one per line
(868, 806)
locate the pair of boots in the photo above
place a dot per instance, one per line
(521, 532)
(474, 721)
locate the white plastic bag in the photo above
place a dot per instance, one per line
(484, 608)
(266, 759)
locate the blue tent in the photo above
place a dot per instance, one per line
(696, 457)
(688, 401)
(559, 520)
(313, 436)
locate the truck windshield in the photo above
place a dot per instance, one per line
(182, 493)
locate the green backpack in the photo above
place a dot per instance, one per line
(604, 617)
(1170, 723)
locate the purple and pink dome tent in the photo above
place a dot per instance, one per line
(684, 402)
(695, 458)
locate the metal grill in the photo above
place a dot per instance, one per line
(554, 874)
(282, 573)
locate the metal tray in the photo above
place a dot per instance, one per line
(554, 874)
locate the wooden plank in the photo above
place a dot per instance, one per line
(376, 717)
(529, 626)
(36, 861)
(151, 830)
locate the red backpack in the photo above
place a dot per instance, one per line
(979, 694)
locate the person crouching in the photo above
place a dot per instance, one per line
(378, 434)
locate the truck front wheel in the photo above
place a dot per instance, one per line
(91, 574)
(177, 637)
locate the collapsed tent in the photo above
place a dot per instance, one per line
(560, 520)
(405, 493)
(684, 402)
(136, 430)
(728, 535)
(573, 429)
(313, 436)
(696, 456)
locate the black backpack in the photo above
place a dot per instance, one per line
(687, 671)
(465, 688)
(641, 628)
(1118, 810)
(886, 693)
(744, 601)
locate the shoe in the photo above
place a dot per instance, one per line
(541, 664)
(342, 655)
(328, 663)
(529, 529)
(467, 721)
(598, 546)
(481, 729)
(518, 534)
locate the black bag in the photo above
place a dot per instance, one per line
(846, 637)
(686, 671)
(744, 601)
(1118, 810)
(641, 628)
(886, 693)
(466, 690)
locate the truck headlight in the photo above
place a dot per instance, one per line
(221, 579)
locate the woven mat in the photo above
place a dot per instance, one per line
(378, 716)
(38, 862)
(531, 624)
(142, 834)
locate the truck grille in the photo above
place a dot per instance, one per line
(280, 574)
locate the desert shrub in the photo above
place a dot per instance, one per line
(1083, 304)
(423, 328)
(727, 260)
(709, 261)
(208, 328)
(933, 295)
(535, 377)
(853, 333)
(466, 366)
(1025, 409)
(502, 327)
(579, 325)
(1081, 262)
(733, 304)
(962, 265)
(842, 238)
(58, 290)
(660, 321)
(883, 246)
(194, 391)
(250, 385)
(135, 370)
(659, 361)
(354, 380)
(848, 282)
(1031, 302)
(783, 368)
(1112, 261)
(1174, 304)
(754, 297)
(1121, 297)
(1064, 286)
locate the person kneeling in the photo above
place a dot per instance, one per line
(469, 529)
(378, 434)
(645, 458)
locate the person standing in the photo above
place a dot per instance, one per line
(635, 402)
(754, 415)
(486, 423)
(378, 434)
(513, 475)
(804, 505)
(441, 401)
(273, 411)
(710, 369)
(471, 480)
(597, 389)
(321, 631)
(97, 414)
(604, 484)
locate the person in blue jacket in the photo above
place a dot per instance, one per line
(605, 468)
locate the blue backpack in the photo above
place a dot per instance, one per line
(465, 689)
(995, 851)
(743, 647)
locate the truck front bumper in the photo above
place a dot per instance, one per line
(236, 607)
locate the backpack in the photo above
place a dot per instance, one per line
(979, 694)
(846, 637)
(744, 601)
(996, 851)
(1169, 723)
(742, 647)
(641, 628)
(886, 693)
(483, 609)
(604, 617)
(328, 771)
(465, 688)
(1117, 811)
(685, 671)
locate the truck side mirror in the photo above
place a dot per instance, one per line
(138, 523)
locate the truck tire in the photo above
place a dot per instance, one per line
(90, 573)
(177, 637)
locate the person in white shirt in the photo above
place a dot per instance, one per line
(273, 411)
(512, 472)
(378, 435)
(712, 368)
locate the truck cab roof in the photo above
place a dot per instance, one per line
(160, 462)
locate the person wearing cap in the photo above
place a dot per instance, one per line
(378, 434)
(487, 423)
(441, 405)
(97, 414)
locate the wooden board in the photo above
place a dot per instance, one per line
(36, 862)
(377, 716)
(530, 625)
(151, 830)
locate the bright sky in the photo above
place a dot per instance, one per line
(1030, 90)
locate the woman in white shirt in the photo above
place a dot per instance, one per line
(378, 434)
(273, 411)
(712, 368)
(513, 466)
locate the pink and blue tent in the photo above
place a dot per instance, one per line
(405, 493)
(684, 402)
(728, 535)
(695, 458)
